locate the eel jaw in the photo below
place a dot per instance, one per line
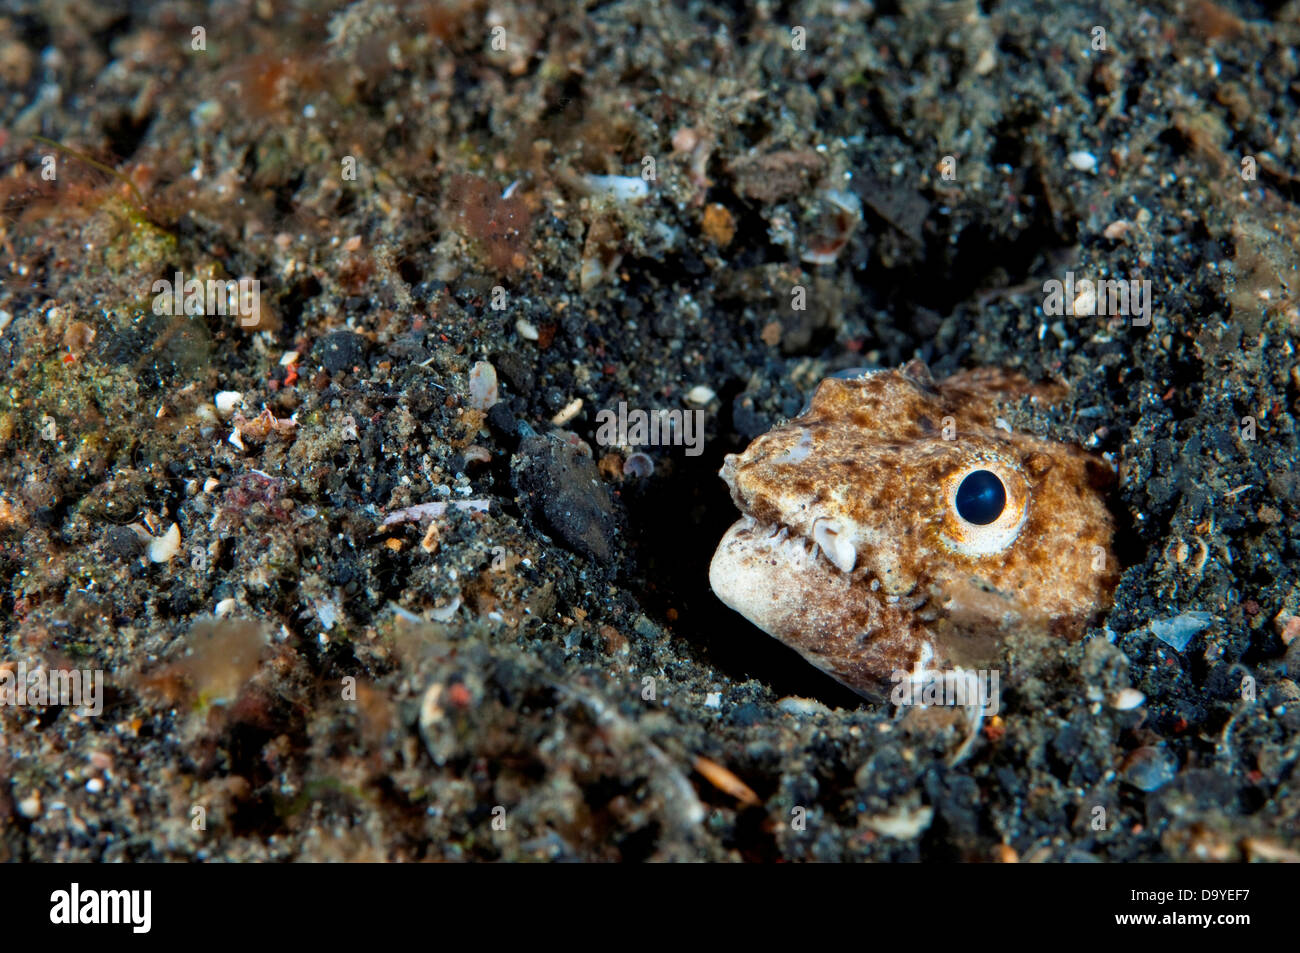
(851, 630)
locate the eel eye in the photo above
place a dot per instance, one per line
(987, 503)
(981, 498)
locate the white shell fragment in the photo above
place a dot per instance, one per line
(1178, 630)
(483, 386)
(428, 511)
(568, 412)
(1127, 699)
(164, 547)
(445, 613)
(1083, 161)
(621, 188)
(226, 401)
(901, 823)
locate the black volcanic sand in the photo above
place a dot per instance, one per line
(552, 678)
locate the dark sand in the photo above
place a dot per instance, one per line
(314, 720)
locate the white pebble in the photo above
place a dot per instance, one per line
(568, 412)
(445, 613)
(526, 330)
(1127, 699)
(483, 386)
(1083, 161)
(165, 547)
(621, 188)
(226, 401)
(700, 395)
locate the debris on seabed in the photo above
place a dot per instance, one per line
(725, 781)
(700, 395)
(843, 212)
(1126, 699)
(1083, 161)
(902, 823)
(483, 386)
(620, 188)
(164, 547)
(638, 465)
(1178, 630)
(428, 511)
(226, 401)
(568, 412)
(1149, 768)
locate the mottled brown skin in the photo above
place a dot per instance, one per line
(871, 464)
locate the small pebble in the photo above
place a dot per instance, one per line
(568, 412)
(700, 395)
(226, 401)
(638, 465)
(1127, 699)
(802, 707)
(483, 393)
(527, 330)
(621, 188)
(1083, 161)
(1149, 769)
(164, 547)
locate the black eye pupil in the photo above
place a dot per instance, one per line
(981, 498)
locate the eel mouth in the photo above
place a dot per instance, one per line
(760, 564)
(757, 555)
(791, 587)
(830, 545)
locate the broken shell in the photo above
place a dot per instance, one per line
(600, 253)
(638, 465)
(838, 223)
(1083, 161)
(901, 823)
(445, 613)
(568, 412)
(163, 548)
(1127, 699)
(483, 393)
(226, 401)
(700, 395)
(621, 188)
(431, 537)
